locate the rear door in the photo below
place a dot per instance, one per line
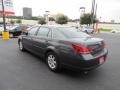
(41, 40)
(29, 39)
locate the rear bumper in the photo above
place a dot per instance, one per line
(87, 63)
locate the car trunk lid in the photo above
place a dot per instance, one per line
(96, 44)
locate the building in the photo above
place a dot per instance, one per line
(112, 21)
(27, 13)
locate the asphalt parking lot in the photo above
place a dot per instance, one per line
(24, 71)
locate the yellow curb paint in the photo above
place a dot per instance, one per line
(5, 35)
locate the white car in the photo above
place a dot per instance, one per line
(1, 30)
(8, 28)
(115, 31)
(87, 29)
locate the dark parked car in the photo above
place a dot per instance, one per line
(17, 31)
(64, 47)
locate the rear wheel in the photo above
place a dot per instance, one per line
(21, 47)
(113, 32)
(52, 62)
(86, 31)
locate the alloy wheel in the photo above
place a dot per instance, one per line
(52, 61)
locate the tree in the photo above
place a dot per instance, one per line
(12, 22)
(51, 19)
(19, 21)
(86, 19)
(42, 21)
(61, 19)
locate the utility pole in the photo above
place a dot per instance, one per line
(5, 33)
(97, 20)
(4, 22)
(96, 10)
(93, 12)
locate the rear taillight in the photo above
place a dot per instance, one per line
(82, 49)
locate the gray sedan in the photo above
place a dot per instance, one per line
(64, 47)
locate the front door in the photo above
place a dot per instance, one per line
(29, 39)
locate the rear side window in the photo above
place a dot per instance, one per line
(43, 32)
(57, 34)
(33, 31)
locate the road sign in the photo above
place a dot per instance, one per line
(8, 5)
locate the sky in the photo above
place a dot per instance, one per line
(107, 9)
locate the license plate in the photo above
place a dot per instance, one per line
(101, 60)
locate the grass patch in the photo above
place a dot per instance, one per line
(105, 30)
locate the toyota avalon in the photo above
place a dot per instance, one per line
(64, 47)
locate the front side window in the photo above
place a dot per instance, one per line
(33, 31)
(43, 32)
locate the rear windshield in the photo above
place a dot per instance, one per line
(71, 32)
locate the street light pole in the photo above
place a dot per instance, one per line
(4, 22)
(47, 16)
(82, 12)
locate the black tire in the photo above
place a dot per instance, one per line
(113, 32)
(21, 47)
(55, 67)
(92, 32)
(86, 31)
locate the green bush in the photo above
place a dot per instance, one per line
(19, 21)
(12, 22)
(51, 19)
(61, 19)
(42, 21)
(86, 19)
